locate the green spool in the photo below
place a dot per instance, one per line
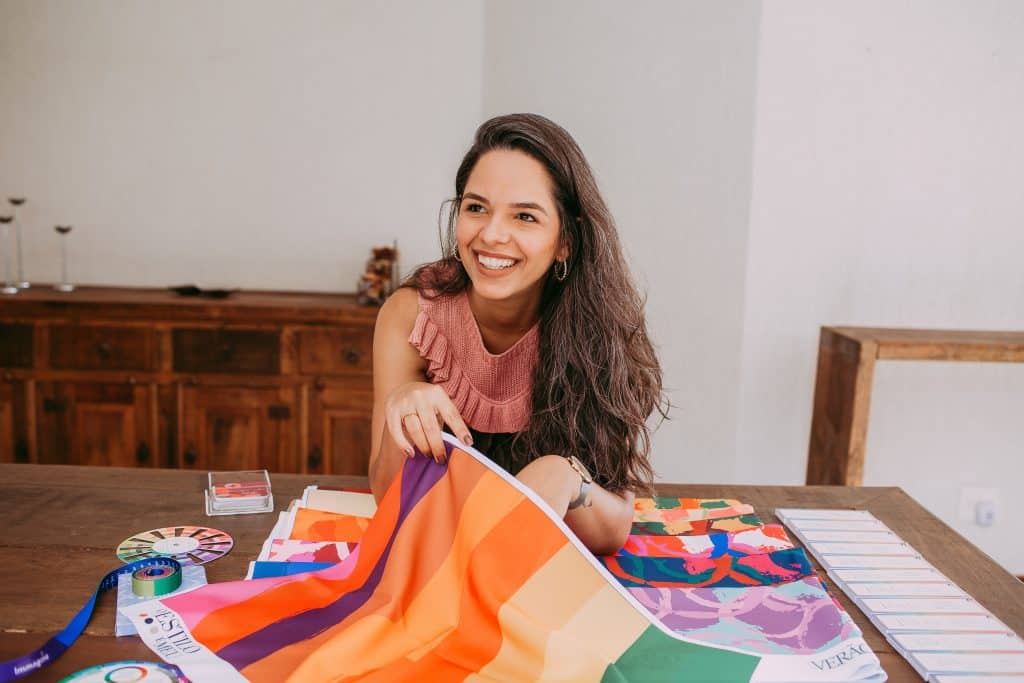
(153, 582)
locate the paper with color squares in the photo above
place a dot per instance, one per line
(463, 574)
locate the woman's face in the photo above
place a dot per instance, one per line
(507, 227)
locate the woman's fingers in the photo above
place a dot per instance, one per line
(456, 424)
(432, 430)
(397, 431)
(414, 430)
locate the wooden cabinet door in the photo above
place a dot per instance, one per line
(340, 414)
(95, 423)
(240, 428)
(13, 439)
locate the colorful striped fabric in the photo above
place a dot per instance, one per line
(462, 575)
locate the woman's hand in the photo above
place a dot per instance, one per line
(414, 414)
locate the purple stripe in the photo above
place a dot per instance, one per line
(418, 475)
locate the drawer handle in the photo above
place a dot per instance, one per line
(315, 458)
(142, 453)
(352, 357)
(104, 350)
(190, 457)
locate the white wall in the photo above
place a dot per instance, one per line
(886, 192)
(774, 166)
(258, 144)
(659, 96)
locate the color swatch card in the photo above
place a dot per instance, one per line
(930, 574)
(968, 662)
(815, 514)
(837, 525)
(902, 590)
(834, 536)
(895, 549)
(942, 623)
(969, 678)
(922, 605)
(956, 642)
(830, 562)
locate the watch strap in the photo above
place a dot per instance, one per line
(582, 497)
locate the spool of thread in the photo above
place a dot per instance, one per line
(153, 582)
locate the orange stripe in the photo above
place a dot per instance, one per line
(421, 546)
(502, 563)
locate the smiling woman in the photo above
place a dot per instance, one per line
(527, 338)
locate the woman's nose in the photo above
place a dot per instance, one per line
(496, 231)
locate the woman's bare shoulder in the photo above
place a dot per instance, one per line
(397, 317)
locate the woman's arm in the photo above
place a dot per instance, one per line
(408, 412)
(395, 362)
(603, 525)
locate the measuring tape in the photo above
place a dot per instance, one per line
(151, 576)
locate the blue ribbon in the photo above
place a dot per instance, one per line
(19, 667)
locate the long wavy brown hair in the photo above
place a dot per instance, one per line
(597, 378)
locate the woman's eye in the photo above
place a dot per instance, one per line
(528, 217)
(474, 208)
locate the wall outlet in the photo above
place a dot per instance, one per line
(979, 505)
(985, 513)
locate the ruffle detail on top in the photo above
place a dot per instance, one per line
(491, 392)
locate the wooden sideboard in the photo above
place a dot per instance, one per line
(148, 378)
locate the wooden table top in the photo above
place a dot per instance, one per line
(62, 523)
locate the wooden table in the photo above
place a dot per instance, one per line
(61, 524)
(842, 390)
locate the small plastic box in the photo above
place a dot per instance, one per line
(238, 493)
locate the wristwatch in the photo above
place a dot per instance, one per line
(585, 480)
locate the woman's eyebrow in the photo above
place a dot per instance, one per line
(518, 205)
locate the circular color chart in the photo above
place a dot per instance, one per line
(128, 671)
(186, 544)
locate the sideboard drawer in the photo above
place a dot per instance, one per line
(101, 347)
(15, 345)
(256, 352)
(336, 351)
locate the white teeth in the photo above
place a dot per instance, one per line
(496, 263)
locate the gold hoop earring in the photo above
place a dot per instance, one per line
(456, 255)
(565, 271)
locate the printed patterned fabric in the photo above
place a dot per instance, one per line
(686, 509)
(767, 569)
(282, 550)
(697, 527)
(460, 575)
(759, 540)
(798, 617)
(317, 525)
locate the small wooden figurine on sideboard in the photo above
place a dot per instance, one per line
(149, 378)
(381, 276)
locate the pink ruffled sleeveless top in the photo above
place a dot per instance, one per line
(492, 392)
